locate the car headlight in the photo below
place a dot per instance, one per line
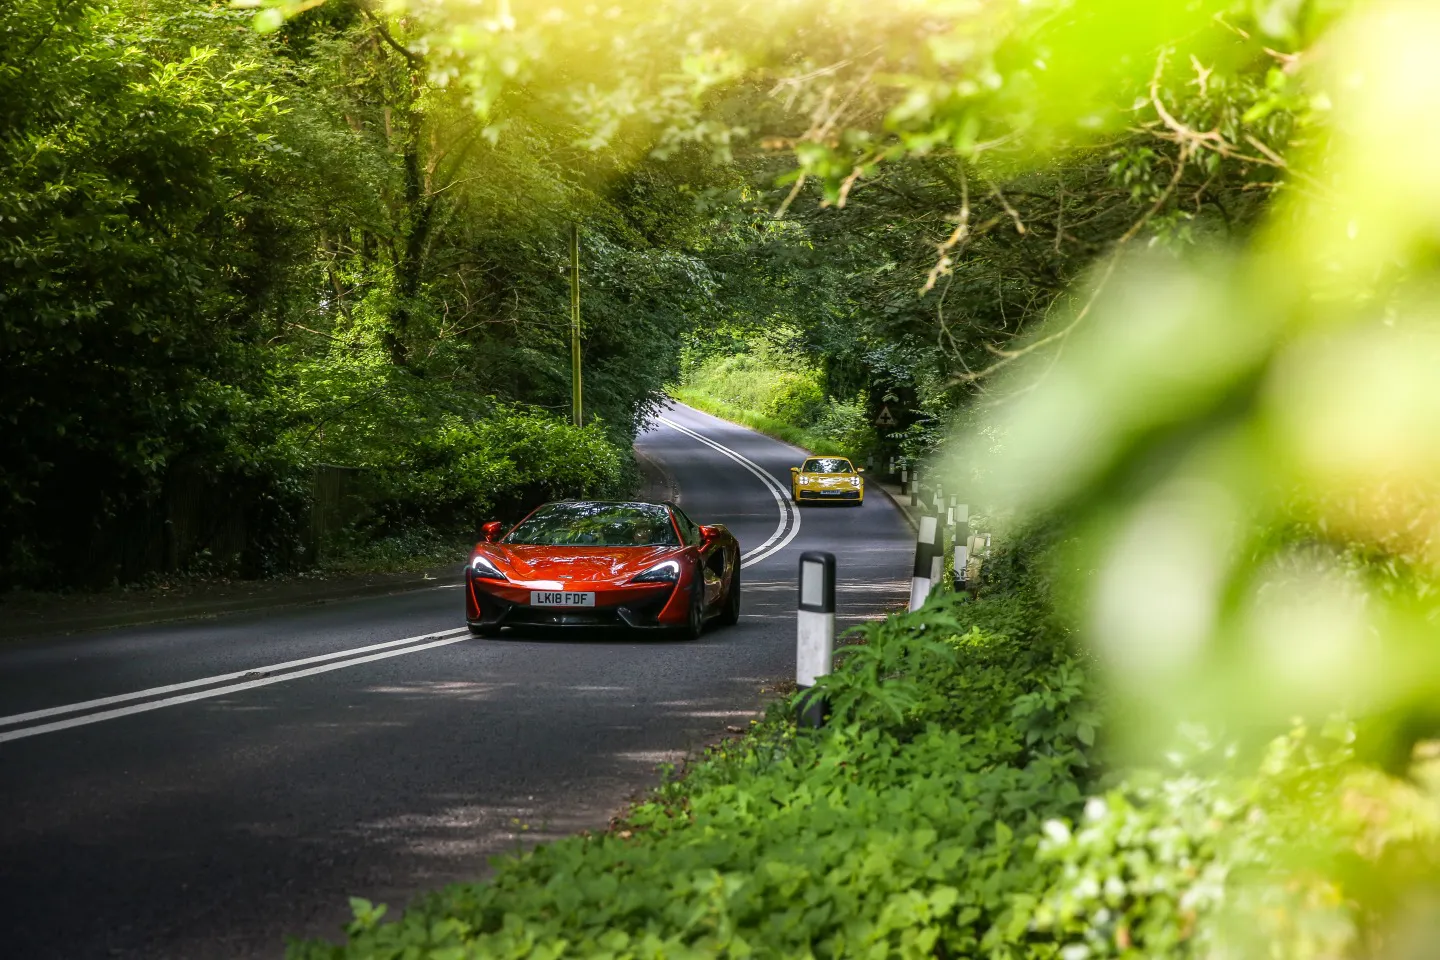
(666, 571)
(481, 568)
(854, 481)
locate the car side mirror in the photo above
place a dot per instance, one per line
(708, 533)
(794, 469)
(492, 530)
(859, 469)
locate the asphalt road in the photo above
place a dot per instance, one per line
(252, 796)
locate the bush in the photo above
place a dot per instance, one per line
(848, 424)
(794, 397)
(465, 471)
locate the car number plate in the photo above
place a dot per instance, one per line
(561, 598)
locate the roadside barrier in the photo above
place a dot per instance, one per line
(922, 578)
(814, 632)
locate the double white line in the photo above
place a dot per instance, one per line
(36, 722)
(218, 685)
(789, 524)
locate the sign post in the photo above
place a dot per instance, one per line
(576, 411)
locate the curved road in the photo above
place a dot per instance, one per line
(221, 796)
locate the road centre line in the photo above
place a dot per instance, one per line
(785, 532)
(24, 732)
(218, 678)
(789, 515)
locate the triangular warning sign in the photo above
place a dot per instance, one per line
(885, 418)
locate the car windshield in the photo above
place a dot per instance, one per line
(597, 525)
(827, 465)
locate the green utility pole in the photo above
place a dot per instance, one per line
(575, 408)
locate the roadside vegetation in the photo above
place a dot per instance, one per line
(965, 799)
(234, 260)
(778, 393)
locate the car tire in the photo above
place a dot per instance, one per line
(483, 629)
(695, 623)
(730, 615)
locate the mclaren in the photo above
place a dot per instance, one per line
(645, 566)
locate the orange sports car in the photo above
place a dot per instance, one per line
(591, 563)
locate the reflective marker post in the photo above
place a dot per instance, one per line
(915, 488)
(814, 632)
(920, 580)
(937, 558)
(962, 542)
(904, 478)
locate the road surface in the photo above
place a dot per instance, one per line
(221, 796)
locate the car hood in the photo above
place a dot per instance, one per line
(565, 564)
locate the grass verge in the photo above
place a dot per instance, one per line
(771, 427)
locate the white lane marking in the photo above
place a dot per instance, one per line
(206, 681)
(214, 692)
(789, 516)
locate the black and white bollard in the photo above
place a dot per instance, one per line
(904, 478)
(921, 581)
(915, 488)
(814, 632)
(962, 543)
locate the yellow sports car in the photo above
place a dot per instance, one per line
(827, 478)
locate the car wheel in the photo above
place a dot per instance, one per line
(483, 629)
(695, 623)
(731, 614)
